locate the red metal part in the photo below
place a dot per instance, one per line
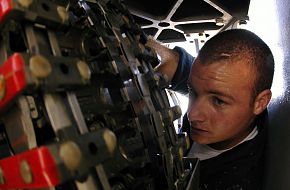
(5, 7)
(41, 164)
(13, 71)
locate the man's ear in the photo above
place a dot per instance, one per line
(261, 101)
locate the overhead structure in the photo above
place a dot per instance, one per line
(187, 20)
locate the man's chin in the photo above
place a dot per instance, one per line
(200, 140)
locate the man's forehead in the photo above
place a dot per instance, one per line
(235, 66)
(222, 73)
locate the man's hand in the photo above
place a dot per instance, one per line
(169, 58)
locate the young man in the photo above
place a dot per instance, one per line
(229, 89)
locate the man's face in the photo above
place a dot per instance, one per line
(220, 108)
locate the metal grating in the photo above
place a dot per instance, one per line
(186, 20)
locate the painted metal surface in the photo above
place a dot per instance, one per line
(270, 20)
(32, 169)
(13, 73)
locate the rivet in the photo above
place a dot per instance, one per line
(2, 87)
(39, 66)
(25, 3)
(63, 14)
(84, 70)
(110, 140)
(114, 66)
(156, 77)
(71, 155)
(2, 179)
(219, 21)
(187, 141)
(180, 152)
(170, 115)
(242, 22)
(25, 172)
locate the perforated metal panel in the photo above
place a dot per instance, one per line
(181, 20)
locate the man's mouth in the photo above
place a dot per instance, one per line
(198, 129)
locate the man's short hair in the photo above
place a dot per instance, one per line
(240, 44)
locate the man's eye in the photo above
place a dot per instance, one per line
(218, 101)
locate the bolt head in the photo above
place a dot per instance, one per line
(84, 70)
(25, 3)
(63, 14)
(187, 141)
(39, 66)
(181, 153)
(2, 179)
(2, 87)
(71, 155)
(26, 172)
(110, 140)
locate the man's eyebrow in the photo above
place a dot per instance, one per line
(215, 92)
(219, 93)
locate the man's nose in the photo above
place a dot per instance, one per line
(195, 111)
